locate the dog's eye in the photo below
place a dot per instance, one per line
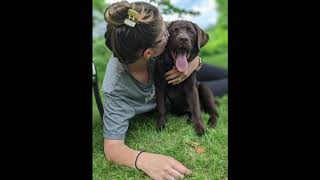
(190, 30)
(174, 31)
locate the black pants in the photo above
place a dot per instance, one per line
(215, 78)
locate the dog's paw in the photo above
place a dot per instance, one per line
(160, 126)
(189, 120)
(212, 122)
(200, 130)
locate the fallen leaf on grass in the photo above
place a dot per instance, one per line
(200, 149)
(193, 144)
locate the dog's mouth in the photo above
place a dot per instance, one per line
(180, 57)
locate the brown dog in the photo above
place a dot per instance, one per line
(189, 96)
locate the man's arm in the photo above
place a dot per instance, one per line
(157, 166)
(119, 153)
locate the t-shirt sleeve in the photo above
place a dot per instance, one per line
(117, 113)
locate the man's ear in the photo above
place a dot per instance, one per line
(147, 53)
(203, 37)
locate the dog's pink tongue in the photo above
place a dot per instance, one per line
(181, 62)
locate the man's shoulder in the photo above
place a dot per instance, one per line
(114, 71)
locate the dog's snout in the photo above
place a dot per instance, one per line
(183, 39)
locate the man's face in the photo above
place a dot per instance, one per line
(160, 42)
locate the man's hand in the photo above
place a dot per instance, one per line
(175, 77)
(161, 167)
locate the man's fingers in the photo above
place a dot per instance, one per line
(175, 174)
(172, 71)
(173, 76)
(175, 81)
(183, 170)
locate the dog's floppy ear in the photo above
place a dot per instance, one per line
(203, 37)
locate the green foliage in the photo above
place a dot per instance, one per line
(216, 50)
(99, 5)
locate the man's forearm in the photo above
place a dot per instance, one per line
(121, 154)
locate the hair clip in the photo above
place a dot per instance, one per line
(132, 16)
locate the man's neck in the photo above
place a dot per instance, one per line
(140, 65)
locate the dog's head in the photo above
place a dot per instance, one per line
(186, 39)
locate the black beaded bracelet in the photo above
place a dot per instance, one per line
(135, 163)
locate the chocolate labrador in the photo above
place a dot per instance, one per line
(189, 96)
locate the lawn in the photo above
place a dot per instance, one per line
(206, 156)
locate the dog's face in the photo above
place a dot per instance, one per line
(186, 39)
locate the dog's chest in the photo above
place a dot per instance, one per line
(175, 92)
(177, 97)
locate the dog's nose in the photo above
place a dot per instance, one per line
(183, 39)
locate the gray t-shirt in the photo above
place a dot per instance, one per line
(124, 97)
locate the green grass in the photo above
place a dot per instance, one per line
(142, 135)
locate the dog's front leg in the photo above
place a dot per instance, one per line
(160, 88)
(160, 95)
(194, 105)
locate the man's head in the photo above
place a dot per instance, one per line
(146, 38)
